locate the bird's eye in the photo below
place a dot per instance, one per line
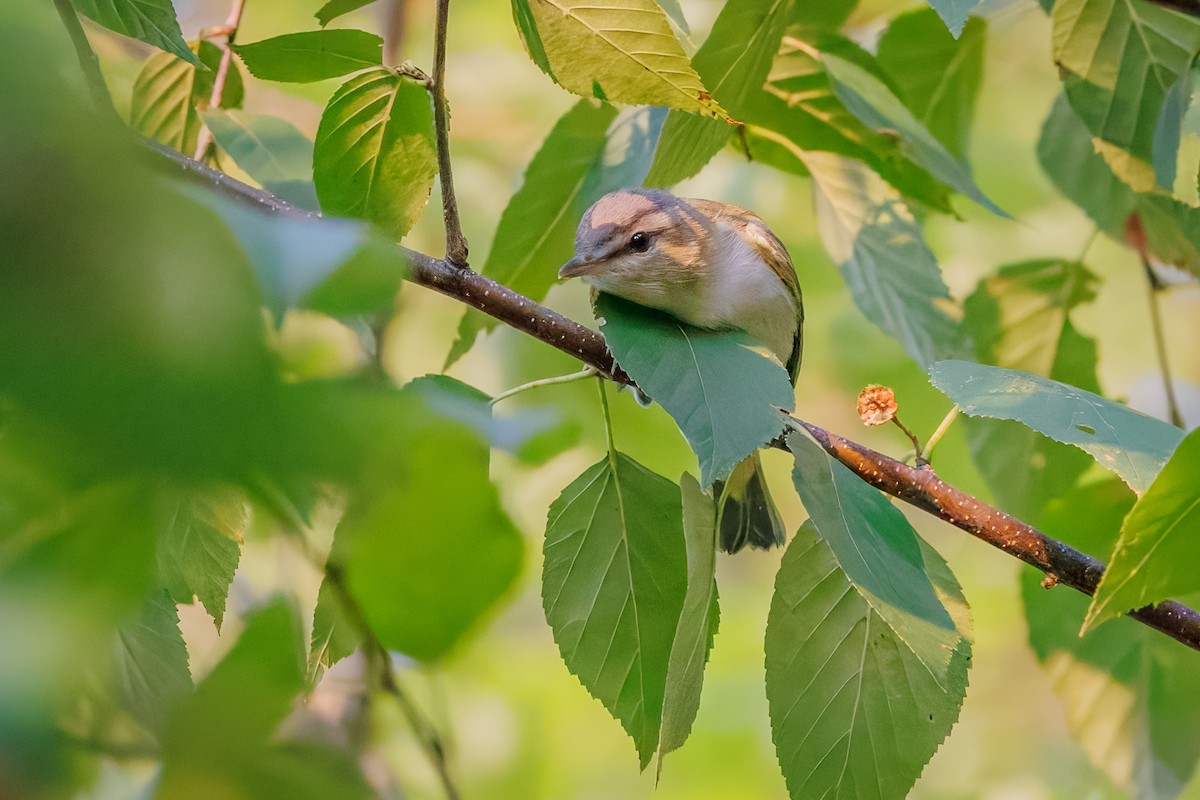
(639, 242)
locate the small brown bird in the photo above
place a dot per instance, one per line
(712, 265)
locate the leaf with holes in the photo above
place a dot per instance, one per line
(1160, 542)
(621, 52)
(614, 581)
(1129, 443)
(687, 371)
(374, 156)
(311, 55)
(150, 21)
(169, 93)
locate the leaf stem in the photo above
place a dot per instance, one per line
(1154, 289)
(89, 62)
(456, 242)
(586, 372)
(608, 426)
(942, 427)
(205, 139)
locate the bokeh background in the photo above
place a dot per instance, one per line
(519, 724)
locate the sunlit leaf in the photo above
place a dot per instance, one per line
(150, 665)
(311, 55)
(537, 229)
(374, 155)
(614, 581)
(686, 370)
(271, 151)
(869, 99)
(733, 63)
(1127, 692)
(882, 255)
(1020, 318)
(954, 13)
(198, 554)
(1129, 443)
(1159, 544)
(1118, 58)
(334, 635)
(149, 21)
(621, 52)
(336, 8)
(169, 92)
(938, 76)
(698, 622)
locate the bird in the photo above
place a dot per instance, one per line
(711, 265)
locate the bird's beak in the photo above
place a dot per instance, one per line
(579, 265)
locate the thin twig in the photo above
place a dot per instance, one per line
(456, 242)
(916, 443)
(89, 63)
(232, 23)
(919, 487)
(1154, 289)
(425, 731)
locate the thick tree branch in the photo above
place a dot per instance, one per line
(920, 487)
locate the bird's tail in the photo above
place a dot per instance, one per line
(745, 513)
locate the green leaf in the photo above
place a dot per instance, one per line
(1020, 318)
(869, 99)
(1117, 59)
(1128, 692)
(150, 669)
(333, 634)
(198, 554)
(1160, 542)
(537, 229)
(620, 52)
(336, 8)
(271, 151)
(426, 557)
(1129, 443)
(374, 155)
(149, 21)
(169, 92)
(938, 77)
(733, 62)
(697, 623)
(614, 581)
(222, 741)
(799, 112)
(856, 710)
(954, 13)
(882, 255)
(311, 56)
(687, 371)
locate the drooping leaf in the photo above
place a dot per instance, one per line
(537, 229)
(149, 21)
(150, 669)
(374, 156)
(271, 151)
(336, 8)
(423, 557)
(856, 711)
(620, 52)
(938, 76)
(1129, 443)
(168, 94)
(697, 623)
(199, 552)
(614, 582)
(1128, 693)
(881, 252)
(733, 63)
(311, 56)
(1159, 544)
(869, 99)
(1118, 58)
(954, 13)
(1020, 318)
(686, 370)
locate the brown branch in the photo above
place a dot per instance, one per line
(920, 487)
(456, 242)
(205, 139)
(1191, 7)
